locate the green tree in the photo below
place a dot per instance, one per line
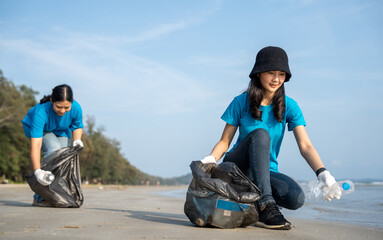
(14, 146)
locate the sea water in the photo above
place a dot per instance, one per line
(364, 206)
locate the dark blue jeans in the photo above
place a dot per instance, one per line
(252, 156)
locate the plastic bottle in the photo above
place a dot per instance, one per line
(49, 177)
(316, 189)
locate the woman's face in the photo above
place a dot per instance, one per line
(272, 80)
(61, 108)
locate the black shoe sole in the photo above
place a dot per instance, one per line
(285, 226)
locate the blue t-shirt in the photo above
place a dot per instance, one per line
(238, 114)
(42, 118)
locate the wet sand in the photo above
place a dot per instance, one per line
(133, 212)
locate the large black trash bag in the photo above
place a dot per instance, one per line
(65, 190)
(221, 196)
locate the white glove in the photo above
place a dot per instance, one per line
(330, 188)
(43, 177)
(78, 142)
(208, 159)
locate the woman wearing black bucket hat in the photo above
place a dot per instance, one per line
(261, 114)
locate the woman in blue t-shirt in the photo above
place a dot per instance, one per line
(261, 115)
(49, 126)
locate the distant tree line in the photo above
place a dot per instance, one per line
(101, 160)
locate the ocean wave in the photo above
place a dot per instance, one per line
(369, 183)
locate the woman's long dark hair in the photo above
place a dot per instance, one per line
(255, 95)
(59, 94)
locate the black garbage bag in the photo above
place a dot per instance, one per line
(65, 190)
(221, 196)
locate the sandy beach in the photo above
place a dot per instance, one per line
(139, 212)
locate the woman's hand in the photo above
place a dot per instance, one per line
(78, 142)
(326, 178)
(331, 189)
(208, 159)
(43, 177)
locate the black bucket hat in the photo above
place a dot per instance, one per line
(271, 59)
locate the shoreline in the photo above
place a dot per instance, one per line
(350, 209)
(139, 212)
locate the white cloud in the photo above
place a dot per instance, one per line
(93, 41)
(100, 67)
(337, 163)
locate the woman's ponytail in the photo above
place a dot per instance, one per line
(45, 99)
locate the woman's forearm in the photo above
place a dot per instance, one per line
(223, 145)
(312, 158)
(77, 134)
(219, 150)
(306, 148)
(36, 152)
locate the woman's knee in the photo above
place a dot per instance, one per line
(286, 191)
(260, 135)
(296, 199)
(291, 199)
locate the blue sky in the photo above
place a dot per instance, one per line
(157, 75)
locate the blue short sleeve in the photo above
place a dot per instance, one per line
(77, 117)
(294, 115)
(38, 124)
(34, 122)
(232, 115)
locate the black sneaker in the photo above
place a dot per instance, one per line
(272, 218)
